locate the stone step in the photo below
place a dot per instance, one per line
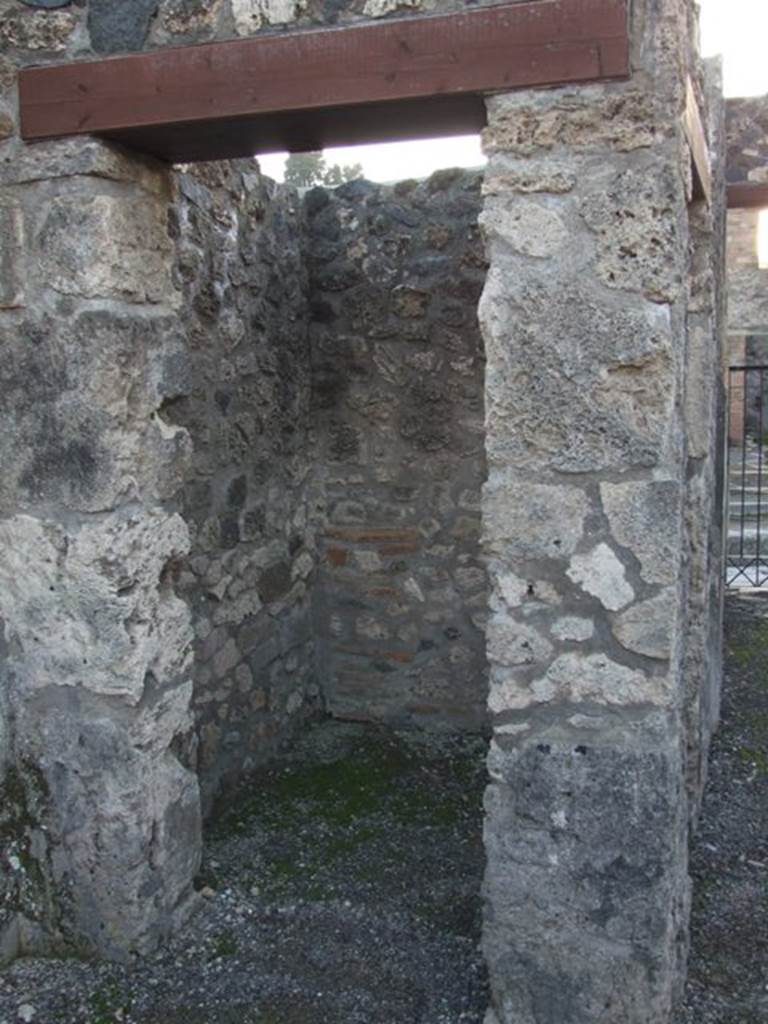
(747, 550)
(750, 475)
(748, 510)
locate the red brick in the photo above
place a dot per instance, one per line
(336, 556)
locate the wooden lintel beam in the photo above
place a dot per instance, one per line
(294, 90)
(747, 195)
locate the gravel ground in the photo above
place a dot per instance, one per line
(342, 886)
(728, 966)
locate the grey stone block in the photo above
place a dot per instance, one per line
(119, 27)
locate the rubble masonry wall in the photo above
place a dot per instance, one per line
(395, 274)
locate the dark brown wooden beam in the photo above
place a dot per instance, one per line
(306, 89)
(747, 195)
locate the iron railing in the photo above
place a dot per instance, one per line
(747, 540)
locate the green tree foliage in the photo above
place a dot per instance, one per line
(306, 169)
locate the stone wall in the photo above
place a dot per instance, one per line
(244, 401)
(585, 314)
(705, 376)
(395, 276)
(746, 125)
(100, 819)
(747, 281)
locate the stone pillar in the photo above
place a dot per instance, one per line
(584, 317)
(706, 371)
(99, 820)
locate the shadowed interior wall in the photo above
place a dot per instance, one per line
(331, 388)
(244, 396)
(395, 274)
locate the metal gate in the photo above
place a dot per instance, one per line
(747, 542)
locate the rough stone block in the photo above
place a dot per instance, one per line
(607, 371)
(530, 521)
(649, 627)
(646, 518)
(106, 247)
(123, 865)
(37, 30)
(197, 18)
(7, 125)
(578, 678)
(528, 228)
(640, 246)
(251, 15)
(12, 256)
(118, 28)
(101, 380)
(64, 158)
(87, 609)
(381, 8)
(589, 117)
(590, 839)
(513, 643)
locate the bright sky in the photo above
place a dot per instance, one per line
(737, 29)
(394, 161)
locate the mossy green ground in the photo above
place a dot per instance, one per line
(747, 647)
(345, 824)
(343, 888)
(729, 853)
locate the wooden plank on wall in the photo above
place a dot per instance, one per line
(244, 96)
(697, 141)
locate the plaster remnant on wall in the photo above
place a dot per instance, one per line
(601, 574)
